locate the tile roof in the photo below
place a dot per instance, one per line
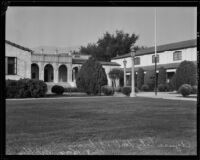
(161, 48)
(19, 46)
(81, 61)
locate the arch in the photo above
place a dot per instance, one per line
(62, 72)
(74, 73)
(48, 73)
(34, 71)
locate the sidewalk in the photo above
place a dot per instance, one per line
(167, 95)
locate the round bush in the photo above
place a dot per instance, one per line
(107, 90)
(57, 89)
(185, 90)
(194, 89)
(126, 90)
(145, 87)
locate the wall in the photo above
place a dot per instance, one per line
(165, 57)
(23, 62)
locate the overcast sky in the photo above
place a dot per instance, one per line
(75, 26)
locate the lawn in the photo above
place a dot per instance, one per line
(103, 125)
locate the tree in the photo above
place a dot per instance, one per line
(91, 77)
(186, 73)
(162, 76)
(149, 79)
(140, 78)
(111, 45)
(116, 74)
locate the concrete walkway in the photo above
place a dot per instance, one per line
(167, 95)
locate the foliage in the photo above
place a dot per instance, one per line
(71, 89)
(25, 88)
(57, 89)
(115, 74)
(163, 87)
(91, 77)
(149, 79)
(172, 83)
(194, 89)
(185, 90)
(126, 90)
(111, 45)
(162, 76)
(145, 87)
(107, 90)
(140, 78)
(118, 89)
(186, 73)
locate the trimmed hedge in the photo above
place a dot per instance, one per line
(25, 88)
(185, 90)
(59, 90)
(186, 73)
(127, 90)
(71, 89)
(145, 87)
(107, 90)
(162, 76)
(140, 78)
(163, 87)
(149, 79)
(194, 90)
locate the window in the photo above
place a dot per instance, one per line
(153, 59)
(11, 65)
(137, 60)
(177, 55)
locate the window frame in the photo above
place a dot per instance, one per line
(15, 65)
(177, 57)
(135, 60)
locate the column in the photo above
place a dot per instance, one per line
(55, 73)
(69, 73)
(41, 71)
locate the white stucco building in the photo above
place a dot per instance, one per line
(169, 57)
(62, 68)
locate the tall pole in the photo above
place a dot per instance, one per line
(155, 57)
(125, 72)
(133, 74)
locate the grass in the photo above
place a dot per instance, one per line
(102, 125)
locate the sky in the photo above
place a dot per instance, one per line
(78, 26)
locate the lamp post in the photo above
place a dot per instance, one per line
(124, 61)
(133, 74)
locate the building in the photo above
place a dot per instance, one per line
(58, 68)
(169, 56)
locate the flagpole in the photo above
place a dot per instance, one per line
(155, 55)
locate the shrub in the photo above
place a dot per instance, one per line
(185, 90)
(162, 76)
(25, 88)
(163, 87)
(71, 89)
(145, 87)
(126, 90)
(194, 89)
(107, 90)
(149, 79)
(186, 74)
(91, 77)
(140, 78)
(117, 89)
(57, 89)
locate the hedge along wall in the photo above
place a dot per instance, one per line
(162, 76)
(149, 79)
(25, 88)
(140, 78)
(186, 73)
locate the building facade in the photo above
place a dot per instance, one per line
(169, 56)
(59, 68)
